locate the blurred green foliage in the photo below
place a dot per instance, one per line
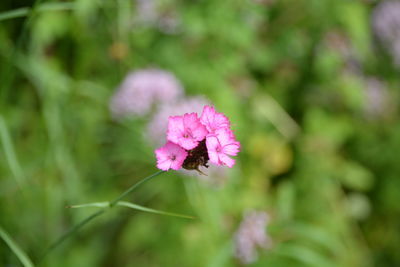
(292, 76)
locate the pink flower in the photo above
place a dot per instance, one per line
(221, 145)
(193, 142)
(186, 130)
(213, 120)
(170, 156)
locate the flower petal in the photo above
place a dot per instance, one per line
(192, 124)
(175, 128)
(212, 143)
(164, 165)
(170, 156)
(225, 136)
(231, 149)
(213, 120)
(226, 160)
(187, 143)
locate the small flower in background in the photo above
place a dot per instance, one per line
(146, 11)
(170, 156)
(386, 26)
(141, 90)
(250, 235)
(154, 13)
(191, 134)
(377, 99)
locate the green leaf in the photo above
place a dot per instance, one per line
(317, 235)
(94, 204)
(10, 154)
(332, 129)
(107, 204)
(21, 255)
(304, 255)
(286, 195)
(356, 177)
(222, 256)
(138, 207)
(24, 11)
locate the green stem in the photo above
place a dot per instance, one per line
(24, 259)
(74, 229)
(133, 187)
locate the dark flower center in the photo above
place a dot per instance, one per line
(197, 157)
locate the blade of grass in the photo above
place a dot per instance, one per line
(130, 205)
(88, 205)
(24, 11)
(72, 231)
(141, 208)
(21, 255)
(9, 152)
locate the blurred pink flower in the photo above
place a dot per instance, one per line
(250, 235)
(221, 145)
(170, 156)
(141, 90)
(186, 130)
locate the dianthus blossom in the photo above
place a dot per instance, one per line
(170, 156)
(194, 140)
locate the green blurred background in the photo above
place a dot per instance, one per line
(311, 88)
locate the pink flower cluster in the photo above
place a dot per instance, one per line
(193, 141)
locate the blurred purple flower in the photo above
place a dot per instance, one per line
(377, 98)
(151, 13)
(386, 26)
(141, 90)
(250, 235)
(146, 11)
